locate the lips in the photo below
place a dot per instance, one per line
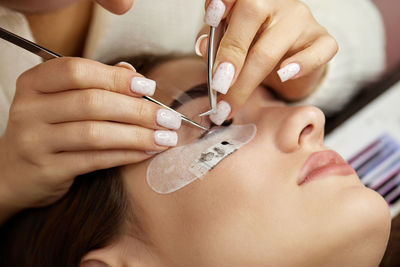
(323, 164)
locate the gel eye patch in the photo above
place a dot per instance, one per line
(179, 166)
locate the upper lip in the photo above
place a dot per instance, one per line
(317, 160)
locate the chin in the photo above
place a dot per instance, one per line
(368, 226)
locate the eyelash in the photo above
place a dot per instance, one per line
(224, 124)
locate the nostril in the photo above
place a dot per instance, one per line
(307, 130)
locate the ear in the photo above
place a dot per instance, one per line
(126, 251)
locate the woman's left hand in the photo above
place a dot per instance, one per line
(263, 36)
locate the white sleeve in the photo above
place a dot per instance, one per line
(358, 28)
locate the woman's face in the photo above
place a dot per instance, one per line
(39, 6)
(250, 209)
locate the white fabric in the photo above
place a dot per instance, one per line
(358, 28)
(170, 26)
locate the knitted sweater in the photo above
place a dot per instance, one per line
(170, 26)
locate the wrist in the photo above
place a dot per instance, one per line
(8, 202)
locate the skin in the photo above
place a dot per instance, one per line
(62, 121)
(259, 51)
(249, 210)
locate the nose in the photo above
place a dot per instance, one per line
(303, 126)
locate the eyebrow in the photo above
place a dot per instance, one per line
(191, 94)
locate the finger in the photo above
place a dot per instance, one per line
(93, 135)
(125, 65)
(235, 44)
(101, 105)
(216, 10)
(308, 60)
(89, 161)
(77, 73)
(116, 6)
(266, 53)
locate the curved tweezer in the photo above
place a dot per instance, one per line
(214, 38)
(47, 54)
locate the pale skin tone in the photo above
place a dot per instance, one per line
(249, 210)
(63, 122)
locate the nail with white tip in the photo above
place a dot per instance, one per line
(198, 43)
(223, 111)
(288, 72)
(223, 77)
(215, 12)
(143, 86)
(166, 138)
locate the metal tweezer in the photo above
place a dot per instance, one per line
(214, 38)
(47, 54)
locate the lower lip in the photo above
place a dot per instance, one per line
(329, 170)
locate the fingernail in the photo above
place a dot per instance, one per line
(214, 13)
(169, 119)
(165, 138)
(223, 77)
(223, 111)
(127, 65)
(143, 86)
(197, 46)
(152, 152)
(288, 72)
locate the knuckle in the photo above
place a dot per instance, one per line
(90, 100)
(255, 8)
(116, 79)
(264, 56)
(91, 134)
(234, 47)
(74, 70)
(142, 110)
(302, 9)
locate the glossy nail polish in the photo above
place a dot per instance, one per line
(165, 138)
(143, 86)
(288, 72)
(223, 77)
(168, 119)
(223, 111)
(214, 13)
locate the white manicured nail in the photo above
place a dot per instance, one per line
(198, 42)
(288, 72)
(169, 119)
(152, 152)
(165, 138)
(126, 65)
(143, 86)
(223, 77)
(214, 13)
(223, 111)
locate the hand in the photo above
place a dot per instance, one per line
(263, 36)
(71, 116)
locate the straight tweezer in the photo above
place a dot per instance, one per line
(47, 54)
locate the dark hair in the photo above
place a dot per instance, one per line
(90, 216)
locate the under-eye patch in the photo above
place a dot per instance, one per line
(179, 166)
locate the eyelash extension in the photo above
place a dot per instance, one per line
(224, 124)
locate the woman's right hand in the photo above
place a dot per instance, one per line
(71, 116)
